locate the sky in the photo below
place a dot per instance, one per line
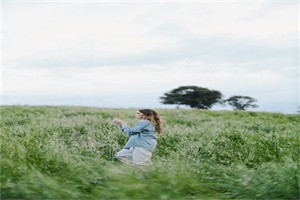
(127, 54)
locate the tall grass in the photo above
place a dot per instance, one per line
(68, 153)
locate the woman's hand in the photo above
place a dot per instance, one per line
(119, 121)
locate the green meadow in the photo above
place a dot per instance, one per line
(61, 152)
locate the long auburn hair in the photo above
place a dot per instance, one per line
(153, 117)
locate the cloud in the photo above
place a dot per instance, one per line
(92, 34)
(57, 31)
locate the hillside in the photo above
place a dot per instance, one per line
(50, 152)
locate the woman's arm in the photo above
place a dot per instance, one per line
(136, 129)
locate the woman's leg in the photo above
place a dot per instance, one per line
(141, 156)
(125, 155)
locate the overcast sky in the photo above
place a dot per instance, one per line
(128, 54)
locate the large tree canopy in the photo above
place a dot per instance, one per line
(241, 102)
(193, 96)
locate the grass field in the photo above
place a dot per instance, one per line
(50, 152)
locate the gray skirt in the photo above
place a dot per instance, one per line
(135, 155)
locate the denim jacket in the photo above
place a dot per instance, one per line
(141, 134)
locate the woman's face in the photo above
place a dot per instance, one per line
(139, 115)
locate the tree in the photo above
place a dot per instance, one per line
(193, 96)
(241, 102)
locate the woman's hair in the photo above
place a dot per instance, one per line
(153, 117)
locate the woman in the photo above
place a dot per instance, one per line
(141, 137)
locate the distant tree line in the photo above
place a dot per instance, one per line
(204, 98)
